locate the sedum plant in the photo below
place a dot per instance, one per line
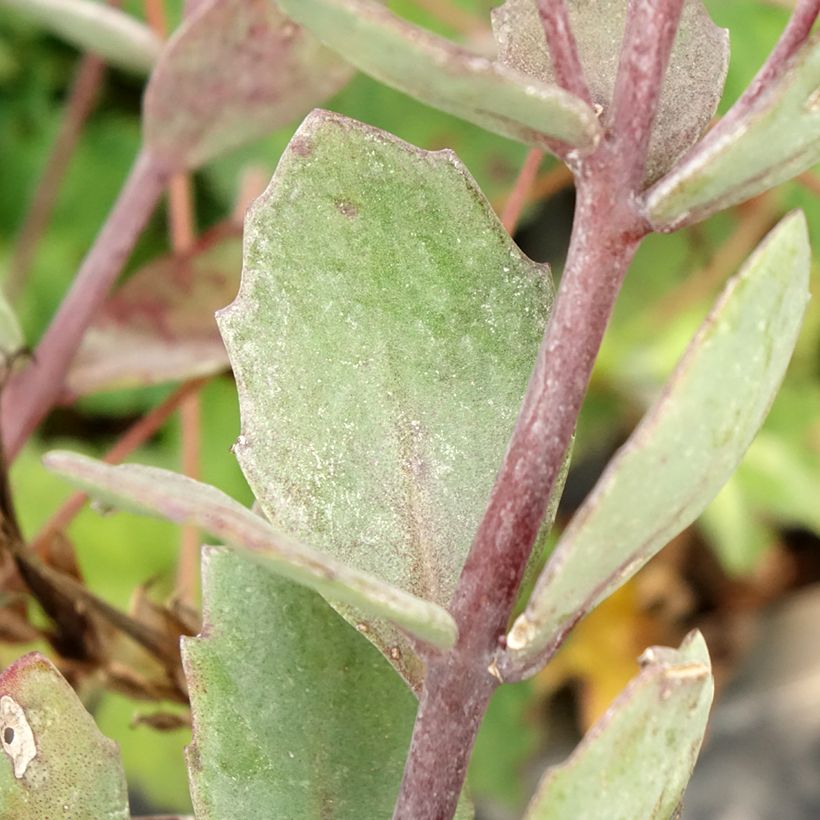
(409, 384)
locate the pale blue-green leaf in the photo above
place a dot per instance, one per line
(634, 764)
(54, 762)
(295, 714)
(381, 342)
(776, 139)
(686, 447)
(692, 85)
(114, 35)
(234, 71)
(447, 76)
(152, 491)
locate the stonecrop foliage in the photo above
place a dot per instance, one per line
(408, 383)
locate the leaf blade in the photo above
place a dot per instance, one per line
(152, 491)
(684, 449)
(776, 139)
(444, 75)
(636, 761)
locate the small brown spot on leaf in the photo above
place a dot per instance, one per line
(301, 146)
(347, 208)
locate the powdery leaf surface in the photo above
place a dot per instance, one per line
(694, 80)
(447, 76)
(776, 139)
(381, 341)
(234, 71)
(686, 446)
(159, 326)
(100, 28)
(54, 761)
(152, 491)
(636, 761)
(295, 715)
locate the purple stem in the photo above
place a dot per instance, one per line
(569, 73)
(31, 393)
(794, 35)
(606, 233)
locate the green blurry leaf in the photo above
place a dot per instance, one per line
(692, 85)
(687, 445)
(636, 761)
(55, 762)
(150, 491)
(295, 715)
(159, 326)
(776, 139)
(234, 71)
(381, 341)
(445, 75)
(97, 27)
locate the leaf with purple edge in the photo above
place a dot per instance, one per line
(446, 76)
(685, 448)
(152, 491)
(234, 71)
(54, 761)
(636, 761)
(692, 86)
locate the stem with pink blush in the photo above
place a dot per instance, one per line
(32, 392)
(606, 233)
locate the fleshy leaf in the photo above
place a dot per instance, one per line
(692, 86)
(234, 71)
(445, 75)
(381, 341)
(776, 139)
(685, 448)
(636, 761)
(295, 714)
(151, 491)
(54, 761)
(108, 32)
(159, 326)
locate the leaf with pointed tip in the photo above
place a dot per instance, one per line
(234, 71)
(114, 35)
(54, 761)
(636, 761)
(151, 491)
(295, 714)
(686, 447)
(159, 326)
(381, 341)
(445, 75)
(777, 138)
(692, 86)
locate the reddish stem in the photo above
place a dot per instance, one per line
(569, 73)
(523, 184)
(606, 232)
(31, 393)
(81, 100)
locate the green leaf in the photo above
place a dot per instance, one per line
(234, 71)
(159, 326)
(295, 715)
(445, 75)
(381, 341)
(684, 449)
(692, 85)
(55, 762)
(97, 27)
(636, 761)
(776, 139)
(151, 491)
